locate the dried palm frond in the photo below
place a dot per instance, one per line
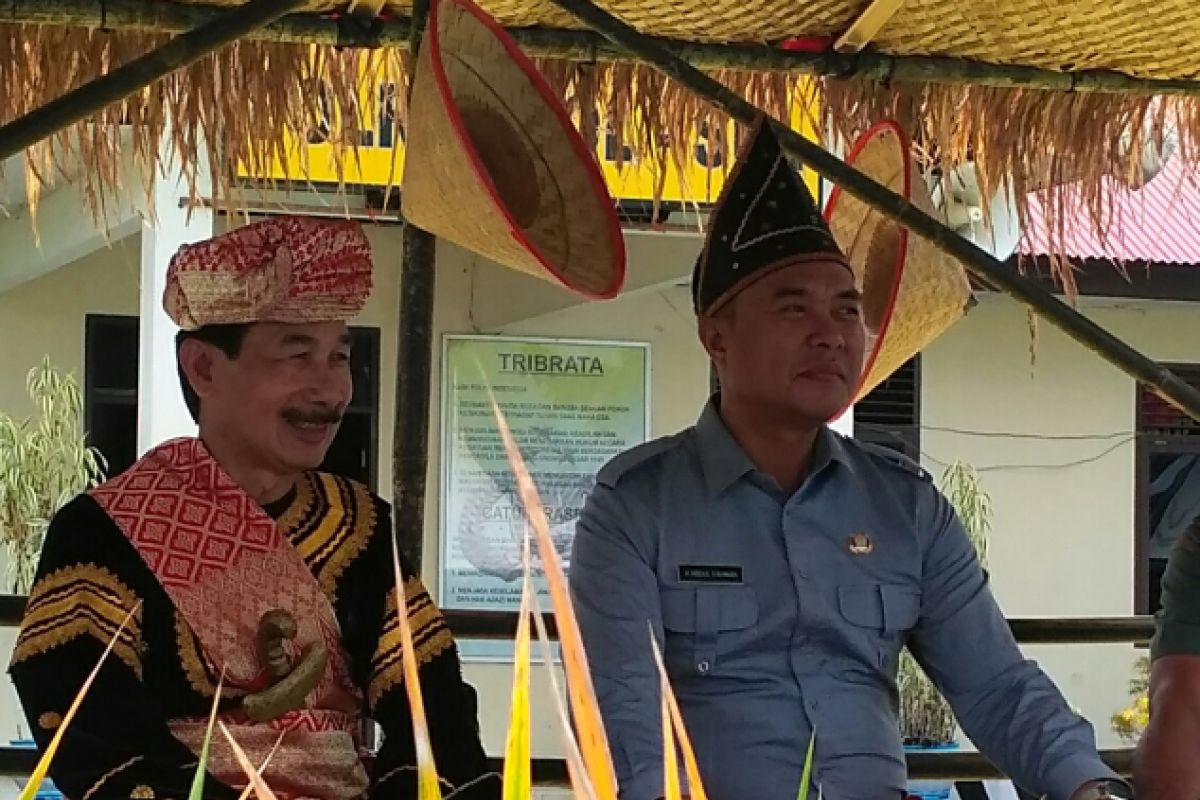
(247, 106)
(1024, 142)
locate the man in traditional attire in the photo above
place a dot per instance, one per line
(783, 566)
(246, 570)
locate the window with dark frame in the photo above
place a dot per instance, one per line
(890, 414)
(111, 393)
(110, 388)
(1167, 489)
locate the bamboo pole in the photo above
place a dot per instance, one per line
(867, 26)
(152, 16)
(185, 49)
(980, 262)
(414, 363)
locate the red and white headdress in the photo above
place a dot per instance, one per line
(285, 269)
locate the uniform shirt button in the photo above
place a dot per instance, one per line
(703, 667)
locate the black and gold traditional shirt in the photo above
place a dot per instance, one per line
(123, 743)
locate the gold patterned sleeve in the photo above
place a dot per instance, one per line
(81, 600)
(431, 639)
(118, 744)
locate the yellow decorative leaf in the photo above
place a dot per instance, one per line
(690, 765)
(670, 764)
(589, 727)
(518, 781)
(806, 774)
(245, 795)
(577, 773)
(197, 792)
(256, 780)
(427, 777)
(43, 766)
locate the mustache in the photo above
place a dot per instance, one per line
(313, 416)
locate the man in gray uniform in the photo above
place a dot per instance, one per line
(782, 566)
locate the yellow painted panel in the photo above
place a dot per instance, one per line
(379, 160)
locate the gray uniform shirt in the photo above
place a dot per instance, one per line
(783, 614)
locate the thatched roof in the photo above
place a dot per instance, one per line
(1154, 40)
(966, 78)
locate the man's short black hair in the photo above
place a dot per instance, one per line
(226, 338)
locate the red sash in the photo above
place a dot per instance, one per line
(224, 562)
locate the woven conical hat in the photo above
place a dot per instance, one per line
(912, 292)
(494, 164)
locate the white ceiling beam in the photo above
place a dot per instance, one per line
(65, 229)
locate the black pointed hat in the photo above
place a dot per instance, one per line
(764, 219)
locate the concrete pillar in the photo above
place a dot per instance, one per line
(162, 413)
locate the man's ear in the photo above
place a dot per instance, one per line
(713, 332)
(197, 360)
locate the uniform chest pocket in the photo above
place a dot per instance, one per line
(705, 624)
(883, 607)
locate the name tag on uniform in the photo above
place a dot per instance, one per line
(701, 573)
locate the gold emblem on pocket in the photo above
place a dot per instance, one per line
(860, 544)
